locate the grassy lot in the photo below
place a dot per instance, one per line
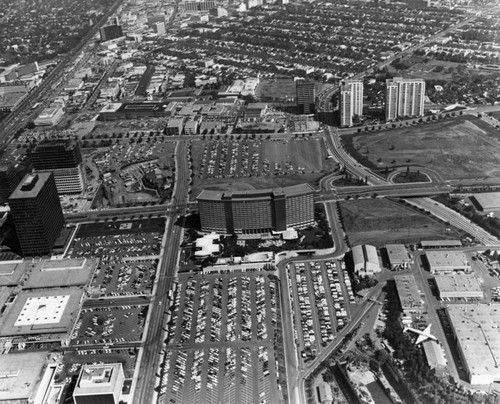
(413, 176)
(495, 114)
(462, 147)
(383, 221)
(258, 163)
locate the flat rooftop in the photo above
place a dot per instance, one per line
(440, 243)
(448, 259)
(42, 311)
(397, 253)
(30, 186)
(458, 283)
(97, 379)
(488, 200)
(20, 374)
(294, 190)
(58, 273)
(476, 327)
(408, 293)
(11, 273)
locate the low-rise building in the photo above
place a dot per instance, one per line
(49, 116)
(476, 333)
(21, 375)
(438, 244)
(255, 110)
(398, 256)
(459, 286)
(366, 262)
(191, 127)
(435, 356)
(409, 295)
(446, 262)
(174, 127)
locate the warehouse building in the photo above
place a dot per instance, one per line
(447, 262)
(398, 256)
(459, 286)
(437, 244)
(256, 212)
(409, 295)
(435, 356)
(366, 262)
(476, 333)
(486, 202)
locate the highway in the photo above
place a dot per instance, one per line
(351, 165)
(146, 369)
(455, 219)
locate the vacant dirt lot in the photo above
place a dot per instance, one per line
(462, 147)
(383, 221)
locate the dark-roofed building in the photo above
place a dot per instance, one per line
(8, 181)
(63, 158)
(305, 96)
(257, 211)
(134, 110)
(37, 213)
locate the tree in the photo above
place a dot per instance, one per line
(328, 376)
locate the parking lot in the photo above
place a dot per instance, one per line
(121, 277)
(127, 251)
(247, 158)
(109, 325)
(322, 296)
(220, 340)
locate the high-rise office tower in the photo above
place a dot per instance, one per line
(37, 213)
(351, 100)
(305, 96)
(8, 181)
(110, 32)
(404, 98)
(64, 159)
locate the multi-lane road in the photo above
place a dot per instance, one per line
(147, 367)
(455, 219)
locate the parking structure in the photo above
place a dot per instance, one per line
(321, 295)
(220, 344)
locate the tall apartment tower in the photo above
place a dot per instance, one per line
(351, 100)
(64, 159)
(37, 213)
(404, 98)
(305, 96)
(8, 181)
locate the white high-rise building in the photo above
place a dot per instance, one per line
(404, 98)
(351, 100)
